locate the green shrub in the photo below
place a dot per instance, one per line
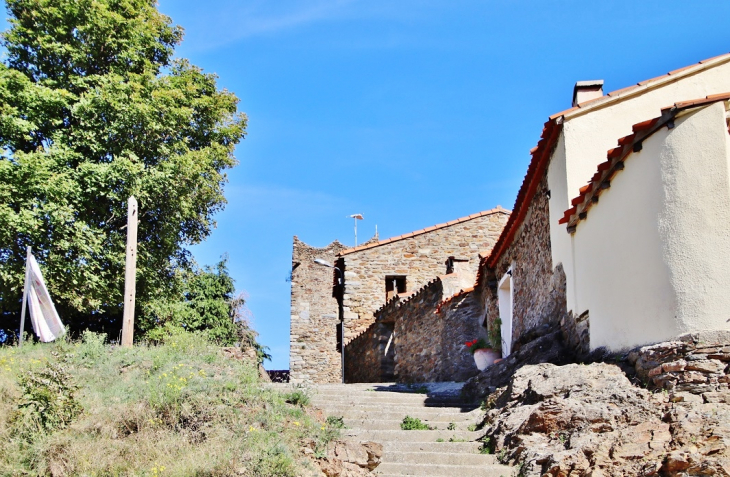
(47, 403)
(414, 424)
(91, 348)
(336, 422)
(298, 397)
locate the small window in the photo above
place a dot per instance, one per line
(394, 285)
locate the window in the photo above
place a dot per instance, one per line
(394, 285)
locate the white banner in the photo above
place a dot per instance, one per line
(46, 323)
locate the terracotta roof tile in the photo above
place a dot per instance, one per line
(621, 91)
(611, 167)
(496, 210)
(448, 300)
(616, 151)
(713, 58)
(650, 80)
(667, 77)
(626, 139)
(698, 102)
(643, 125)
(550, 134)
(679, 70)
(540, 156)
(562, 113)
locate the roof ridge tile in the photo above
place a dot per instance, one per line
(495, 210)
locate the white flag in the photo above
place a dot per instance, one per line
(46, 323)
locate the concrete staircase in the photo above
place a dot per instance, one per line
(374, 412)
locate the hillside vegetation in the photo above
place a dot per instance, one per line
(177, 408)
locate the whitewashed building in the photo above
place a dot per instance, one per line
(621, 229)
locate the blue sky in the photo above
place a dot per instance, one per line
(409, 112)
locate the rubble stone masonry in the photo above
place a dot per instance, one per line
(538, 290)
(365, 356)
(430, 335)
(419, 256)
(694, 367)
(427, 332)
(313, 353)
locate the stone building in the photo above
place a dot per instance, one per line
(377, 271)
(314, 353)
(619, 237)
(372, 274)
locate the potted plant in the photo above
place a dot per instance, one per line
(495, 334)
(484, 355)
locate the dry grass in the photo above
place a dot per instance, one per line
(179, 408)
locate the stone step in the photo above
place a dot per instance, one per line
(439, 415)
(391, 402)
(412, 436)
(394, 424)
(399, 409)
(404, 397)
(374, 412)
(439, 458)
(441, 470)
(450, 447)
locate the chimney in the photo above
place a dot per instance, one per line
(587, 90)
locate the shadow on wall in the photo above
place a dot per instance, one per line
(423, 335)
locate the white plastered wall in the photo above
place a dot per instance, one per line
(587, 136)
(652, 259)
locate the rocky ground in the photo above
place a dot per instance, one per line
(590, 420)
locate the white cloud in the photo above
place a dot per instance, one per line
(210, 28)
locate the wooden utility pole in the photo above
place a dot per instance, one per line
(130, 274)
(25, 296)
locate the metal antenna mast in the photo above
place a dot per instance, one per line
(356, 217)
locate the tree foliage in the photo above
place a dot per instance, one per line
(93, 109)
(205, 300)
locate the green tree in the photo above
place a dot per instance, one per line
(204, 300)
(93, 109)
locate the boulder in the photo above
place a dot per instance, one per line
(590, 420)
(545, 348)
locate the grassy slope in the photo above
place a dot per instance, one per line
(180, 408)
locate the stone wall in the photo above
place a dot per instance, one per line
(313, 353)
(695, 367)
(365, 356)
(429, 340)
(420, 257)
(538, 291)
(430, 336)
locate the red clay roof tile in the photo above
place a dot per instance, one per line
(562, 113)
(548, 137)
(616, 151)
(679, 70)
(626, 139)
(643, 125)
(713, 58)
(621, 91)
(607, 169)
